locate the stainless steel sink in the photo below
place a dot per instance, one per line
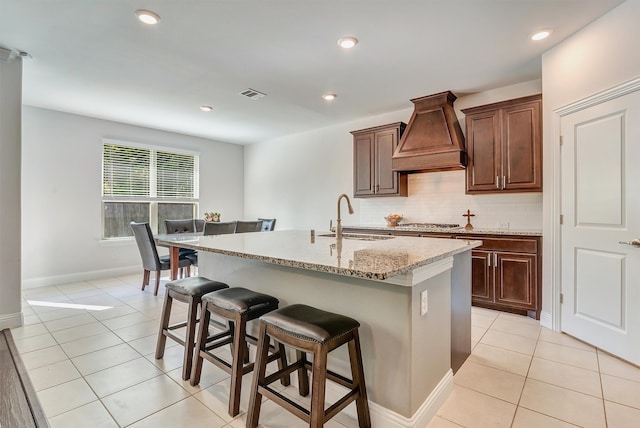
(358, 236)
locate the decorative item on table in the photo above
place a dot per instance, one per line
(393, 220)
(212, 216)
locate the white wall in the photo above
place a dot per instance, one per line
(298, 178)
(600, 56)
(61, 185)
(10, 109)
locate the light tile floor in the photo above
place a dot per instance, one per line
(97, 368)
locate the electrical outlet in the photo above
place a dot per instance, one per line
(503, 224)
(424, 302)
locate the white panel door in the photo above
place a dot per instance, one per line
(601, 207)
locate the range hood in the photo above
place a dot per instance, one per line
(433, 140)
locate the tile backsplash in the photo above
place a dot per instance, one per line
(439, 197)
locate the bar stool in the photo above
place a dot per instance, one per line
(312, 330)
(237, 306)
(187, 290)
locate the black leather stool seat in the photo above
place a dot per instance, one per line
(241, 300)
(311, 324)
(188, 290)
(195, 285)
(237, 306)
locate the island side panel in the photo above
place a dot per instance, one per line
(460, 309)
(431, 338)
(383, 310)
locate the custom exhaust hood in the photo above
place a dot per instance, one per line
(433, 140)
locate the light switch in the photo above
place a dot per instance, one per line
(424, 302)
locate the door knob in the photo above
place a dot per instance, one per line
(634, 243)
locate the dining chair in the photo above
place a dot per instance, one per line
(151, 261)
(268, 224)
(187, 225)
(219, 228)
(249, 226)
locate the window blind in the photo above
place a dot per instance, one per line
(125, 171)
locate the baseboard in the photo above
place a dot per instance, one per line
(79, 276)
(11, 320)
(546, 320)
(381, 417)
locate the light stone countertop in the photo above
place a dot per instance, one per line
(377, 258)
(454, 231)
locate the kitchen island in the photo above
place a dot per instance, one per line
(411, 297)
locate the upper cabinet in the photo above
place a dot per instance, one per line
(504, 145)
(373, 149)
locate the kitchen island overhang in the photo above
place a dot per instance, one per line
(385, 284)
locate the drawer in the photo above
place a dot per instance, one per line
(516, 245)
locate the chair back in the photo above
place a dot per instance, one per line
(268, 224)
(199, 225)
(249, 226)
(180, 226)
(219, 228)
(146, 245)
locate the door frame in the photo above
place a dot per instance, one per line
(556, 237)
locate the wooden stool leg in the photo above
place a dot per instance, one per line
(357, 374)
(189, 341)
(303, 375)
(239, 346)
(201, 343)
(282, 363)
(259, 368)
(319, 375)
(164, 323)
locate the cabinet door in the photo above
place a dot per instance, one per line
(522, 147)
(386, 180)
(481, 276)
(483, 147)
(363, 168)
(515, 280)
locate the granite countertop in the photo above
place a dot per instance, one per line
(357, 255)
(457, 230)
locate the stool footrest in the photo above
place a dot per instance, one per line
(295, 408)
(336, 407)
(175, 337)
(178, 325)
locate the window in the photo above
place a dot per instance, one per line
(147, 184)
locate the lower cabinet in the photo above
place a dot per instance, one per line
(506, 274)
(506, 270)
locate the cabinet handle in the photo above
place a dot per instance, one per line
(497, 182)
(489, 261)
(504, 181)
(495, 260)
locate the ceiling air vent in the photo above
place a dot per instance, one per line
(252, 94)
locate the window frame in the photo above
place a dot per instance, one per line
(153, 200)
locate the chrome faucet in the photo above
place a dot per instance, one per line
(339, 220)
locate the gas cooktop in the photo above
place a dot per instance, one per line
(429, 225)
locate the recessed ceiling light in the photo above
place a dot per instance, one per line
(347, 42)
(542, 34)
(329, 97)
(147, 16)
(206, 108)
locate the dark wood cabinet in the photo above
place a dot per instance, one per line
(506, 274)
(504, 145)
(506, 271)
(373, 149)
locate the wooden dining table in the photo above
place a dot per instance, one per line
(174, 242)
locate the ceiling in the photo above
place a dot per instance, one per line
(92, 57)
